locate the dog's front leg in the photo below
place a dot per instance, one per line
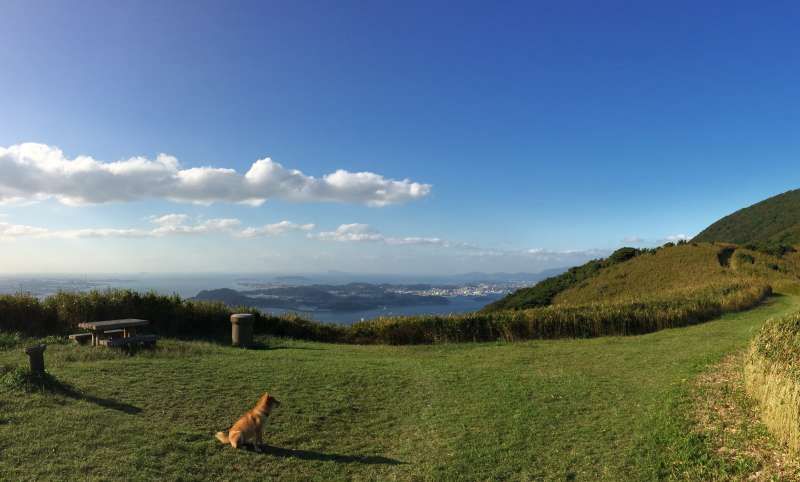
(259, 438)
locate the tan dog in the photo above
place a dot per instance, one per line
(249, 427)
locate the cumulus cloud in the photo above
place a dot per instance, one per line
(275, 229)
(33, 172)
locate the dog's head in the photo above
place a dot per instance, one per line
(267, 402)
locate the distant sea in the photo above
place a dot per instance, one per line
(458, 304)
(188, 286)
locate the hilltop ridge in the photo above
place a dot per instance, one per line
(754, 243)
(775, 220)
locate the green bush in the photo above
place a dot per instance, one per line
(770, 248)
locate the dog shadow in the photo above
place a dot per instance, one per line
(324, 457)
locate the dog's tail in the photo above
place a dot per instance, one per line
(223, 437)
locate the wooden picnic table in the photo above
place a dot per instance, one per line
(99, 328)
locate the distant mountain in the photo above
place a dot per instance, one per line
(341, 277)
(349, 297)
(772, 221)
(293, 279)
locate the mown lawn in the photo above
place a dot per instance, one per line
(606, 408)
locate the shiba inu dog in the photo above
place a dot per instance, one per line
(248, 429)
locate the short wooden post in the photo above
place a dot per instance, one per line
(36, 357)
(242, 330)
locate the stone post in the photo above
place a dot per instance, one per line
(36, 355)
(242, 330)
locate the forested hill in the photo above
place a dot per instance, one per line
(772, 221)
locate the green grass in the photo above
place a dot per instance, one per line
(606, 408)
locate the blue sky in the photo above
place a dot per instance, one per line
(538, 134)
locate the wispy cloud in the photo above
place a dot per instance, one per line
(33, 172)
(354, 232)
(357, 232)
(183, 225)
(13, 231)
(275, 229)
(678, 237)
(167, 225)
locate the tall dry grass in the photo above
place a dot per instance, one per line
(173, 316)
(772, 377)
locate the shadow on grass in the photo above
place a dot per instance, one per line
(70, 391)
(265, 346)
(326, 457)
(44, 382)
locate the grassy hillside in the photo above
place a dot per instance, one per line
(669, 272)
(610, 408)
(681, 269)
(543, 293)
(772, 221)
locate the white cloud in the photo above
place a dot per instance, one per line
(170, 219)
(417, 240)
(678, 237)
(632, 239)
(166, 225)
(358, 232)
(12, 231)
(349, 233)
(275, 229)
(178, 226)
(33, 172)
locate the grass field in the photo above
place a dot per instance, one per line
(606, 408)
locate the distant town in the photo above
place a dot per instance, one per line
(471, 289)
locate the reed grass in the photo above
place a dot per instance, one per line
(176, 317)
(772, 377)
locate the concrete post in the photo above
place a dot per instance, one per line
(242, 330)
(36, 356)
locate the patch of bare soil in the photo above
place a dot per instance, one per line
(729, 421)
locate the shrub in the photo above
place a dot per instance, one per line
(772, 249)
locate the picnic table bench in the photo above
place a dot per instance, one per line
(131, 341)
(103, 330)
